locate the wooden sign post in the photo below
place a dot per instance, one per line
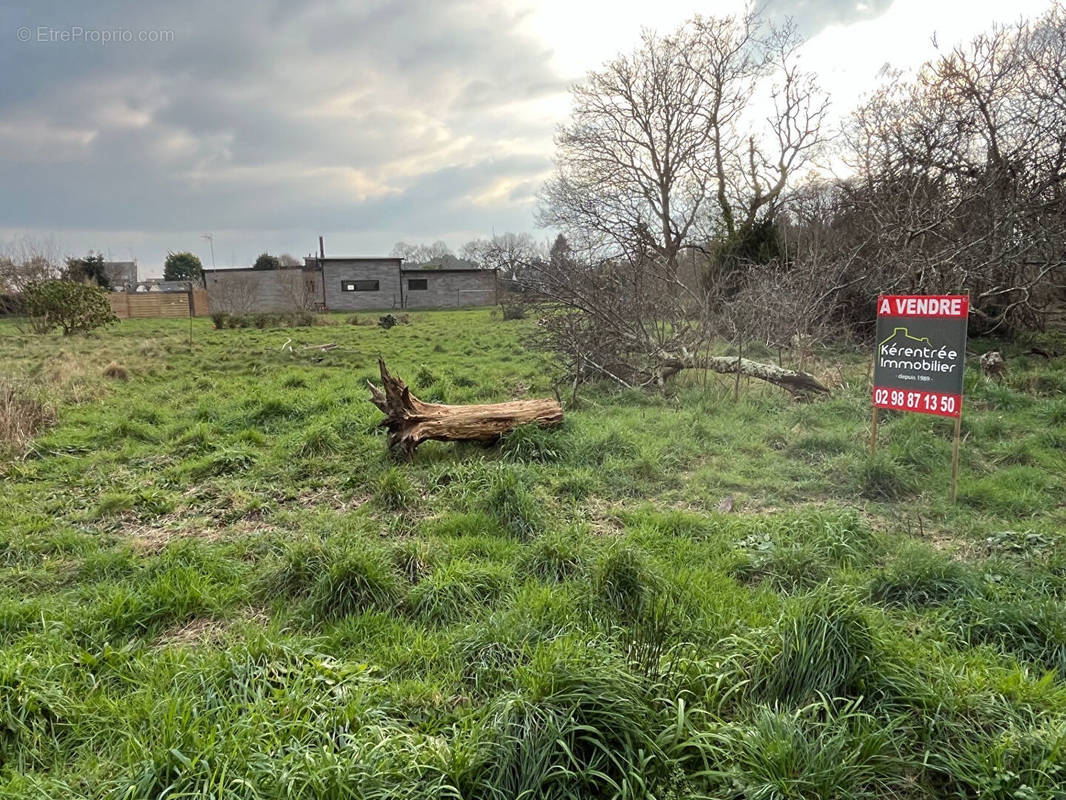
(919, 360)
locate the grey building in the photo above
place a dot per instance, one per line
(360, 284)
(245, 290)
(348, 284)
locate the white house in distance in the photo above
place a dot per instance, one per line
(348, 284)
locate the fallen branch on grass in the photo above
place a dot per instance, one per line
(411, 421)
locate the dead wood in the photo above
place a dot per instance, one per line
(798, 383)
(411, 421)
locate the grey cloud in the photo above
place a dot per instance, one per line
(270, 116)
(812, 16)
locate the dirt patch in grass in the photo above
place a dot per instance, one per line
(206, 631)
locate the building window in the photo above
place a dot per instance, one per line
(359, 286)
(417, 284)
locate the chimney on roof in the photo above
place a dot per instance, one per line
(321, 248)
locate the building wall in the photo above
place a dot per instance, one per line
(248, 291)
(446, 289)
(386, 272)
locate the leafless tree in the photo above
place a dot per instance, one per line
(510, 253)
(422, 254)
(662, 155)
(960, 176)
(232, 294)
(27, 260)
(298, 289)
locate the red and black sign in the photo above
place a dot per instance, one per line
(921, 353)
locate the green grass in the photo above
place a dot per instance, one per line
(214, 582)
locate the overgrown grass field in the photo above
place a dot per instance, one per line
(214, 582)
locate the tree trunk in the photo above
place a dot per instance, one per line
(411, 421)
(800, 384)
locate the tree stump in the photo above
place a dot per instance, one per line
(411, 421)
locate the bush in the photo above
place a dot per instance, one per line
(74, 307)
(220, 319)
(513, 310)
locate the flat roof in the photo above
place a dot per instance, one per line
(431, 271)
(253, 269)
(354, 258)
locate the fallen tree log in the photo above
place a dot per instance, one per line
(411, 421)
(798, 383)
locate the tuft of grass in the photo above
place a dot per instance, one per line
(556, 557)
(881, 477)
(823, 647)
(814, 751)
(23, 412)
(116, 371)
(358, 579)
(920, 576)
(317, 440)
(513, 506)
(457, 590)
(1033, 629)
(393, 490)
(575, 727)
(623, 580)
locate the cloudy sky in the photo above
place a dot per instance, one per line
(268, 123)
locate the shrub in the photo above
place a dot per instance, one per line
(74, 307)
(513, 310)
(220, 319)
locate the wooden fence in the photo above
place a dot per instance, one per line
(140, 305)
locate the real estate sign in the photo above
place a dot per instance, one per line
(921, 350)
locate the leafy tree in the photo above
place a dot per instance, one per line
(266, 261)
(182, 267)
(74, 307)
(87, 270)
